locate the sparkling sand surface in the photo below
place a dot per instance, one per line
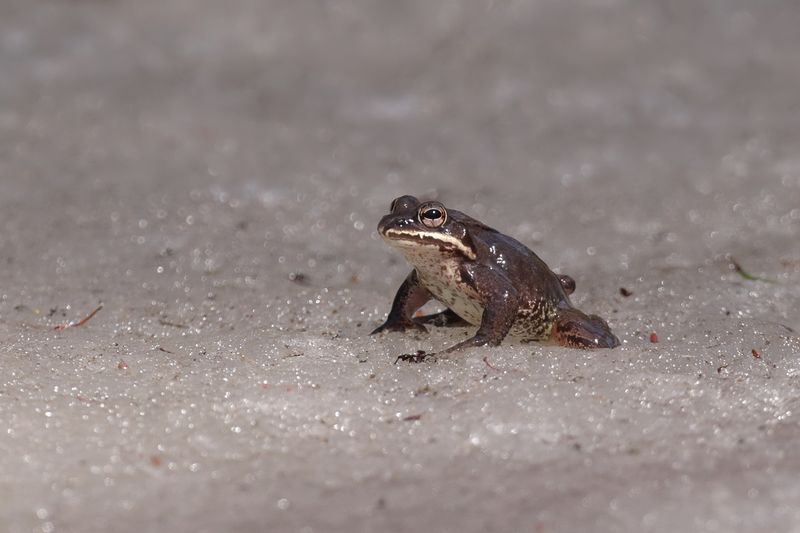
(212, 173)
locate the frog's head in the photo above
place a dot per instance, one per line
(416, 227)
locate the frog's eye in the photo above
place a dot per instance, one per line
(432, 216)
(394, 204)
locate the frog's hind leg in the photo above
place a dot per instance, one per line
(576, 329)
(447, 318)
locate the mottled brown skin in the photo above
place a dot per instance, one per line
(485, 278)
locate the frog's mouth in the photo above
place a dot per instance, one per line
(442, 242)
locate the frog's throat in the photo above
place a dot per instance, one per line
(408, 238)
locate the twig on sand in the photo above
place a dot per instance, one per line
(745, 274)
(79, 323)
(490, 365)
(164, 322)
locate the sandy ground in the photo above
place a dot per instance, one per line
(212, 174)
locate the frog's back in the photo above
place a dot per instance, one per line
(527, 272)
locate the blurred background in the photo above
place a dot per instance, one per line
(668, 121)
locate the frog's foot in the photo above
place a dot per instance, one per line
(446, 318)
(576, 329)
(418, 357)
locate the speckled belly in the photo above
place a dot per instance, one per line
(445, 285)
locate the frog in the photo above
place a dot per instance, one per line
(482, 278)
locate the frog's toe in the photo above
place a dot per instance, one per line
(445, 319)
(575, 329)
(399, 325)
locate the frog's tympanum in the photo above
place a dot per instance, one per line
(485, 278)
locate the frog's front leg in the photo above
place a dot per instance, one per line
(500, 302)
(410, 297)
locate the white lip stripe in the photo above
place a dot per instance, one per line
(442, 237)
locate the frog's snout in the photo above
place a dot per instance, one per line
(394, 223)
